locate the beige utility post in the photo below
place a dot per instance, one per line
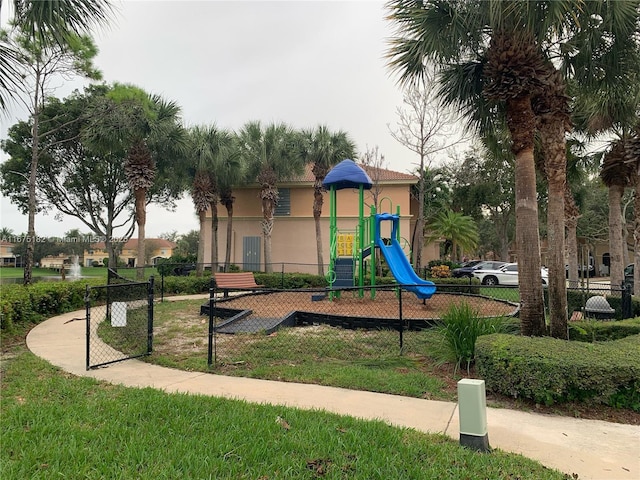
(472, 409)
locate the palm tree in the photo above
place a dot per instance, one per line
(511, 71)
(457, 228)
(323, 149)
(147, 129)
(203, 152)
(616, 175)
(632, 158)
(49, 24)
(231, 173)
(271, 156)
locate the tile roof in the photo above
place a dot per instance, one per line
(379, 174)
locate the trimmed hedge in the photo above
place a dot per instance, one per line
(603, 331)
(34, 303)
(548, 371)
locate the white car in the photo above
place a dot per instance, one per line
(505, 275)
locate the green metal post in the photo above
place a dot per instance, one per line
(333, 227)
(361, 240)
(372, 237)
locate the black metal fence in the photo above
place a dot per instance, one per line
(119, 322)
(375, 322)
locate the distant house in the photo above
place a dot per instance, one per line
(294, 237)
(7, 257)
(156, 248)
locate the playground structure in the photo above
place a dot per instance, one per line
(349, 250)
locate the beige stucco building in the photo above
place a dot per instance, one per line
(293, 236)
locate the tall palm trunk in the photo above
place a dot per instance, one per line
(616, 240)
(227, 199)
(269, 197)
(554, 148)
(521, 123)
(140, 169)
(213, 205)
(318, 201)
(268, 207)
(202, 238)
(572, 213)
(202, 195)
(616, 175)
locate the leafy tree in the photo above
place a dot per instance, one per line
(483, 188)
(323, 149)
(39, 64)
(73, 180)
(146, 131)
(271, 156)
(426, 127)
(187, 244)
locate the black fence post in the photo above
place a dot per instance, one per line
(87, 306)
(627, 309)
(150, 315)
(210, 350)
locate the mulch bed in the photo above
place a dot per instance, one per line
(384, 305)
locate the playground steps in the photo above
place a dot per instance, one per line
(344, 272)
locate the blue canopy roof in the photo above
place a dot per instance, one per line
(347, 174)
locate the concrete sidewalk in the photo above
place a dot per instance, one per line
(592, 449)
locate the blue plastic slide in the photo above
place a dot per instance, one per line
(399, 264)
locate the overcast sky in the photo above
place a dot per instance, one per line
(300, 62)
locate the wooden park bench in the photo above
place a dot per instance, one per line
(236, 281)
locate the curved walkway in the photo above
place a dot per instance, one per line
(593, 449)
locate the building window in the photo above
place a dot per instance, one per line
(283, 207)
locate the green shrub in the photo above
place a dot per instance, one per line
(548, 370)
(289, 281)
(459, 328)
(603, 331)
(21, 305)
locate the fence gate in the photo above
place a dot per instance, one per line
(119, 322)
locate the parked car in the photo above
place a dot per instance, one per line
(467, 269)
(507, 274)
(184, 269)
(583, 271)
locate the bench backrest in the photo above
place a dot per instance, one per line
(235, 280)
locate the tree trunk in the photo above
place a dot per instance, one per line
(318, 201)
(141, 220)
(214, 236)
(572, 251)
(35, 152)
(202, 219)
(521, 122)
(268, 207)
(227, 256)
(554, 148)
(616, 242)
(636, 237)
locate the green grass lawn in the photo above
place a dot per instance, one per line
(55, 425)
